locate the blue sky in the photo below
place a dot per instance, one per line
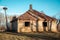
(18, 7)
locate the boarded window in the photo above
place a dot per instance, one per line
(27, 23)
(44, 24)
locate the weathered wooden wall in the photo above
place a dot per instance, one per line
(21, 26)
(54, 26)
(32, 27)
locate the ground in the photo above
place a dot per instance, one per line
(29, 36)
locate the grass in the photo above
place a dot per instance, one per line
(4, 36)
(30, 36)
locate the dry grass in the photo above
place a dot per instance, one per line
(24, 36)
(12, 37)
(50, 34)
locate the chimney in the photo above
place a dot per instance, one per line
(30, 6)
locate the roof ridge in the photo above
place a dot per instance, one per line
(31, 13)
(35, 14)
(46, 17)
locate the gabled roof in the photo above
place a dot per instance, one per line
(41, 14)
(27, 16)
(34, 15)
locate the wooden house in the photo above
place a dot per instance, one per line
(34, 21)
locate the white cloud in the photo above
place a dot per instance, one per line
(2, 11)
(15, 14)
(1, 7)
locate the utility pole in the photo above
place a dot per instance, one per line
(5, 8)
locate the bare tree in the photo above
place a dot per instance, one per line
(1, 19)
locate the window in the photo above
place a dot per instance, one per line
(44, 24)
(27, 23)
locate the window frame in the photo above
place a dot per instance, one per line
(26, 24)
(44, 24)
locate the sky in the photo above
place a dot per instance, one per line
(18, 7)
